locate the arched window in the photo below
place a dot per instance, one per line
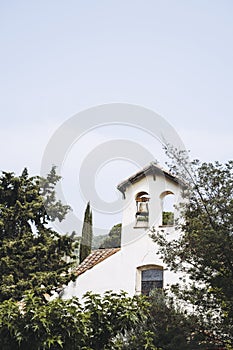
(149, 277)
(168, 201)
(142, 209)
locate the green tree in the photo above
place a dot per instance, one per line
(31, 253)
(165, 327)
(95, 324)
(113, 240)
(87, 234)
(204, 251)
(168, 218)
(97, 241)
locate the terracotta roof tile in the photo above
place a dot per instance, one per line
(153, 169)
(95, 258)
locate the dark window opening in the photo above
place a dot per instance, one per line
(151, 279)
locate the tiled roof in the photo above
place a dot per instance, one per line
(152, 169)
(95, 258)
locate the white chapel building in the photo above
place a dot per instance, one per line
(135, 267)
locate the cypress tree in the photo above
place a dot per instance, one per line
(87, 234)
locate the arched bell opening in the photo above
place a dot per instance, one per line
(142, 209)
(168, 202)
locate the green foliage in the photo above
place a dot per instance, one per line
(111, 316)
(31, 253)
(166, 327)
(168, 218)
(87, 234)
(97, 241)
(113, 240)
(204, 250)
(41, 325)
(66, 324)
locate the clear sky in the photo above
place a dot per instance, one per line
(59, 58)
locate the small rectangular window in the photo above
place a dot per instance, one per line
(151, 279)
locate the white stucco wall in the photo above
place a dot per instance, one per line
(155, 188)
(119, 271)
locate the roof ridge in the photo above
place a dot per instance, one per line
(151, 168)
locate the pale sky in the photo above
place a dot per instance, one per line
(60, 57)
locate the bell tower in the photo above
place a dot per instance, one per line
(144, 197)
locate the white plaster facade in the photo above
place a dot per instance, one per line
(122, 270)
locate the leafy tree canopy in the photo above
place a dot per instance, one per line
(96, 324)
(113, 240)
(204, 251)
(166, 327)
(97, 240)
(31, 253)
